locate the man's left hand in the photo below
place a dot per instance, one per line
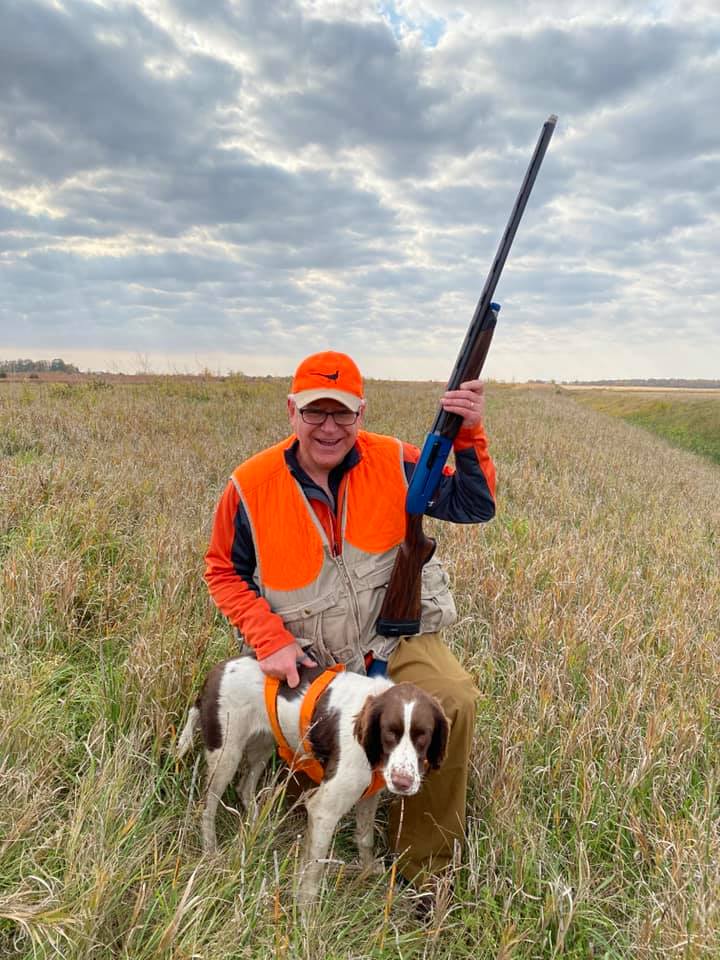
(468, 402)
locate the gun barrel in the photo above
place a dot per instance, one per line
(471, 358)
(482, 310)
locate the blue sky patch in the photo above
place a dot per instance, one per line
(431, 30)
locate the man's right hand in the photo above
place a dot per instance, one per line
(284, 663)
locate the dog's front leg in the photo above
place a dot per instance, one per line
(329, 802)
(365, 831)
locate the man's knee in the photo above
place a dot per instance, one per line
(458, 697)
(459, 708)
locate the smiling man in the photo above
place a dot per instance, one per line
(303, 543)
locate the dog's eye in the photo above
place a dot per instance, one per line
(421, 740)
(391, 737)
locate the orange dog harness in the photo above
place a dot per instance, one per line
(308, 763)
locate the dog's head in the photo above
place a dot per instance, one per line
(403, 731)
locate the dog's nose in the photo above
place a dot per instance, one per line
(402, 781)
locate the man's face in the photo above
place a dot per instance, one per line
(322, 446)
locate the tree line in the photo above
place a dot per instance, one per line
(58, 365)
(651, 382)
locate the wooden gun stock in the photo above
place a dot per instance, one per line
(401, 609)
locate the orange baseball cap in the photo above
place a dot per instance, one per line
(328, 375)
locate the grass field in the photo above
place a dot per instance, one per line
(589, 618)
(686, 421)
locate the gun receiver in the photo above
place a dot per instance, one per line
(400, 613)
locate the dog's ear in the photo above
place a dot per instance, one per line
(441, 731)
(367, 731)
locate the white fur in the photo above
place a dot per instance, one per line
(403, 761)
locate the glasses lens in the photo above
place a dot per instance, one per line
(343, 418)
(313, 416)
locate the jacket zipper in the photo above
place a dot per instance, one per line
(338, 558)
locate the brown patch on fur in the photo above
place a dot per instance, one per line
(208, 705)
(324, 735)
(307, 676)
(366, 732)
(429, 720)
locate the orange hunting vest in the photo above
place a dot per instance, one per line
(331, 603)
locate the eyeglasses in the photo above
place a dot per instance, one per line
(343, 418)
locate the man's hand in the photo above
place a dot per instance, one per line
(284, 663)
(468, 402)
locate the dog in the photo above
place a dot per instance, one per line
(360, 725)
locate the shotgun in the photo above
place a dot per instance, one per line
(401, 610)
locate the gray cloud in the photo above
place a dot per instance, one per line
(82, 94)
(594, 66)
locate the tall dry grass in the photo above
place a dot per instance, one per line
(589, 617)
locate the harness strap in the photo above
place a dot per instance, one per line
(377, 783)
(307, 709)
(272, 685)
(307, 764)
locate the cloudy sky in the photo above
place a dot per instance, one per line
(232, 184)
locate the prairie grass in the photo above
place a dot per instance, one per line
(589, 615)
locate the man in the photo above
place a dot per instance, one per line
(302, 547)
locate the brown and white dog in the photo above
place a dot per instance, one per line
(360, 724)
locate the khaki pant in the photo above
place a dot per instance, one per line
(434, 819)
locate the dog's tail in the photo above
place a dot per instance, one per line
(186, 737)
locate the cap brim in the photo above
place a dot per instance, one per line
(349, 400)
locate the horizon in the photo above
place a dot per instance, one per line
(70, 368)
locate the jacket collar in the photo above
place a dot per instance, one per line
(310, 488)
